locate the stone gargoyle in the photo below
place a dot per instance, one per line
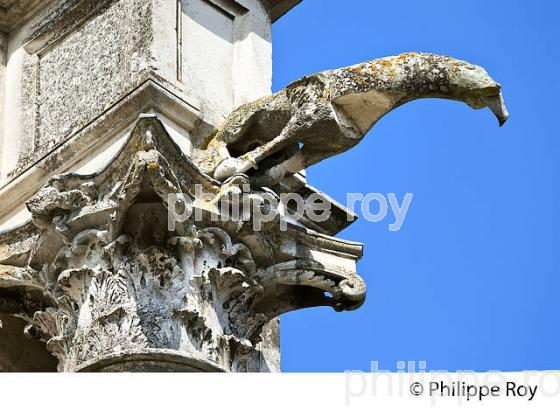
(325, 114)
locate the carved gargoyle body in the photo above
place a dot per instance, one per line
(325, 114)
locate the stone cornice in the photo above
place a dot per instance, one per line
(277, 8)
(14, 12)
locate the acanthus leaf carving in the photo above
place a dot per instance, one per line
(121, 285)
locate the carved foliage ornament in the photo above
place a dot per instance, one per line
(102, 279)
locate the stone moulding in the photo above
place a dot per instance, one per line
(103, 282)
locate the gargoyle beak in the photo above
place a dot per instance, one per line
(498, 107)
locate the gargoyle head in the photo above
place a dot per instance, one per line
(475, 87)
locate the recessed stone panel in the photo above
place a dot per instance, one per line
(85, 73)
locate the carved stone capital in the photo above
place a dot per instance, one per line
(110, 287)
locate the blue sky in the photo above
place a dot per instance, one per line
(471, 281)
